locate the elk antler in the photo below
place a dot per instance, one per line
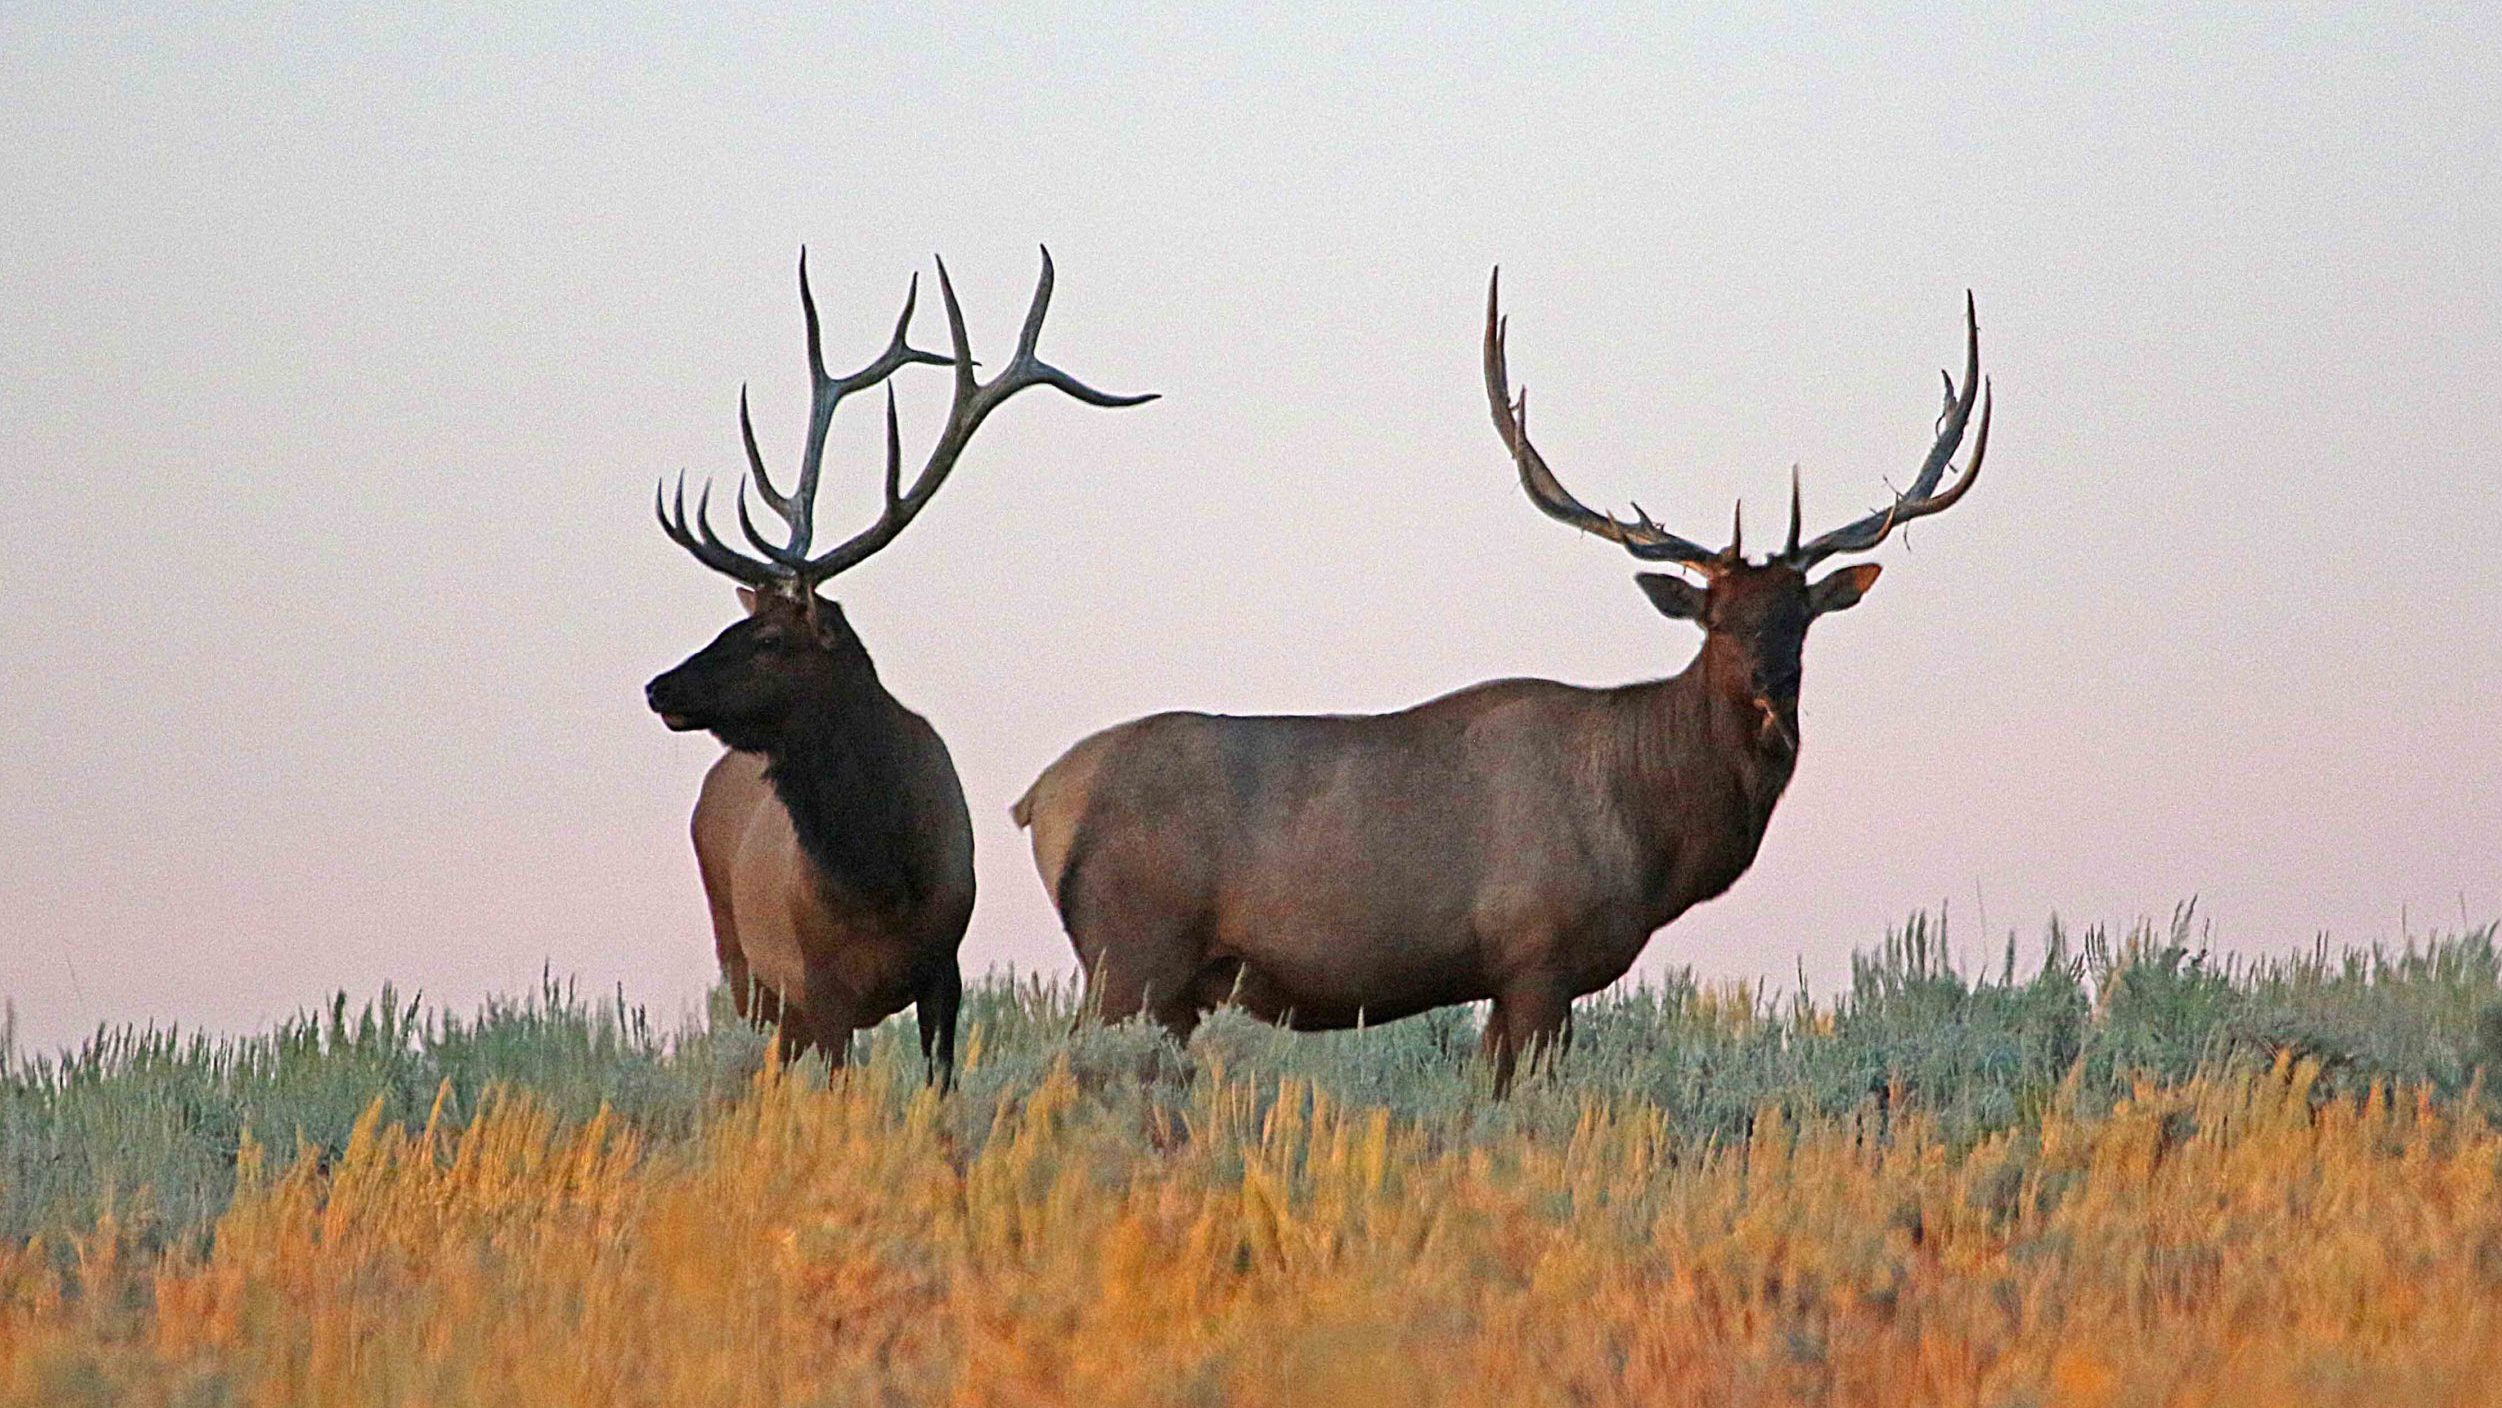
(788, 567)
(1922, 498)
(1641, 537)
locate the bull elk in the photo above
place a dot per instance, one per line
(833, 840)
(1518, 840)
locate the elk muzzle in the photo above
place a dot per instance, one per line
(672, 710)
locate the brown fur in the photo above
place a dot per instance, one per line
(1516, 841)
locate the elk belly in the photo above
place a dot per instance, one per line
(1327, 954)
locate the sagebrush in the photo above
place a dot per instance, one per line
(2130, 1170)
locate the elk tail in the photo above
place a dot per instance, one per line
(1054, 811)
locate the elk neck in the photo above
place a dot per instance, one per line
(1699, 768)
(839, 766)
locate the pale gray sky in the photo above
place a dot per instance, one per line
(339, 353)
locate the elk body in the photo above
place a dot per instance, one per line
(833, 840)
(1518, 841)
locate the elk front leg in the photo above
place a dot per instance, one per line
(825, 1025)
(743, 994)
(761, 1004)
(1531, 1020)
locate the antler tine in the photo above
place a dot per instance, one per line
(703, 527)
(973, 402)
(808, 310)
(747, 525)
(1035, 309)
(894, 450)
(963, 344)
(1792, 546)
(1950, 435)
(1922, 497)
(1030, 370)
(1972, 471)
(773, 497)
(707, 548)
(899, 351)
(1643, 538)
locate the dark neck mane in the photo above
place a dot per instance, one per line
(840, 769)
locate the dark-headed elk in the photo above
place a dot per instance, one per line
(833, 840)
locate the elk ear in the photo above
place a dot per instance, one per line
(747, 600)
(1676, 598)
(1841, 590)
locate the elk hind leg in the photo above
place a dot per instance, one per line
(1152, 975)
(1137, 911)
(934, 1006)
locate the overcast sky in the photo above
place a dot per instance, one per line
(339, 354)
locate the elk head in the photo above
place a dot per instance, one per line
(1754, 615)
(794, 646)
(757, 674)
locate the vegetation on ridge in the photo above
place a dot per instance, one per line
(148, 1123)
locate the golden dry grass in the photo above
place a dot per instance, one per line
(2236, 1240)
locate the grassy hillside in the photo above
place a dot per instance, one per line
(2126, 1171)
(149, 1122)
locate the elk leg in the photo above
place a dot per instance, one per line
(725, 948)
(1531, 1020)
(1179, 1018)
(1119, 985)
(757, 1002)
(934, 1008)
(828, 1019)
(722, 813)
(790, 1026)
